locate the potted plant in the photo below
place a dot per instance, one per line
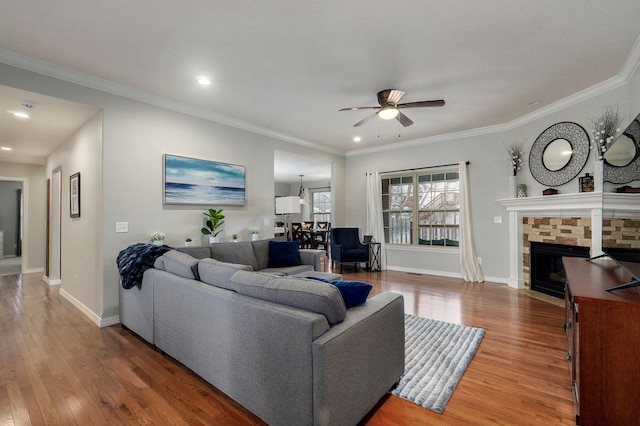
(157, 238)
(215, 219)
(187, 242)
(255, 233)
(235, 238)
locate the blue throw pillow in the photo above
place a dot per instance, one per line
(354, 293)
(284, 253)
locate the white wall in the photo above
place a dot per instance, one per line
(34, 192)
(489, 171)
(81, 242)
(135, 135)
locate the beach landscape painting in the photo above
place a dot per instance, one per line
(193, 181)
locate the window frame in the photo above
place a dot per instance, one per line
(412, 179)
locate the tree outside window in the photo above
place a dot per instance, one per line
(422, 208)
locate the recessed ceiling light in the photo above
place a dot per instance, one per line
(6, 148)
(357, 139)
(203, 81)
(20, 114)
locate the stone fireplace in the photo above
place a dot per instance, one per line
(573, 220)
(555, 231)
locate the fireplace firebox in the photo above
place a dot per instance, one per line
(547, 271)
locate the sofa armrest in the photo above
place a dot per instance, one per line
(312, 257)
(356, 362)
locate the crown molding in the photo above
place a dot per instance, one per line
(62, 73)
(560, 105)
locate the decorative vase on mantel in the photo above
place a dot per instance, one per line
(255, 237)
(522, 190)
(598, 174)
(513, 187)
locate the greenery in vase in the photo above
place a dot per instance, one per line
(254, 230)
(604, 130)
(215, 220)
(515, 152)
(157, 236)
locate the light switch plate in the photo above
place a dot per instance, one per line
(122, 226)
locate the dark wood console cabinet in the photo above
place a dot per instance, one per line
(603, 343)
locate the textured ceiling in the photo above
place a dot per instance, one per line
(285, 67)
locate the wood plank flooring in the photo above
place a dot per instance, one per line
(58, 368)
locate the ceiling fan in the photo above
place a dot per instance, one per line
(390, 108)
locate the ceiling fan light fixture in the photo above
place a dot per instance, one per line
(389, 112)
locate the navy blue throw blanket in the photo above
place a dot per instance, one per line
(135, 259)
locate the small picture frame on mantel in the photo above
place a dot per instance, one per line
(74, 195)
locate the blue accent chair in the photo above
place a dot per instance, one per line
(347, 248)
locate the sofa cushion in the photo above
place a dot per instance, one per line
(289, 270)
(199, 252)
(178, 263)
(354, 293)
(261, 253)
(240, 253)
(218, 273)
(321, 298)
(284, 253)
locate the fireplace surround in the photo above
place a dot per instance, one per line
(562, 211)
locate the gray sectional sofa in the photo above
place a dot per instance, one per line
(284, 347)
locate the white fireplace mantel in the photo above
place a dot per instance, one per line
(559, 205)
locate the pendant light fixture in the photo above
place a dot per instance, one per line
(302, 193)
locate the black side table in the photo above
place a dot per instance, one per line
(373, 264)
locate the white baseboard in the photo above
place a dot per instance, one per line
(49, 281)
(34, 271)
(100, 322)
(442, 274)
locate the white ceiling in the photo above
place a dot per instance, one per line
(285, 67)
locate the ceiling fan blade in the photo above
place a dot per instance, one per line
(357, 108)
(364, 120)
(434, 103)
(389, 96)
(395, 96)
(404, 120)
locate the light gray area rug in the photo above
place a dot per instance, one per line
(436, 355)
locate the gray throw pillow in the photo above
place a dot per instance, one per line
(179, 263)
(310, 295)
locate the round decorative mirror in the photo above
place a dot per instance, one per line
(622, 152)
(557, 154)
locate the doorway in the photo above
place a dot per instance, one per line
(11, 226)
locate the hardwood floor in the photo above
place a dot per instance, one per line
(58, 368)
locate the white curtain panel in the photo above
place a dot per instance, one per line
(469, 266)
(375, 226)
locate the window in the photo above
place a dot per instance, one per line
(422, 208)
(321, 206)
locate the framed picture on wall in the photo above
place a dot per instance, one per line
(74, 195)
(194, 181)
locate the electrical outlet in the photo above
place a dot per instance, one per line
(497, 219)
(122, 226)
(479, 261)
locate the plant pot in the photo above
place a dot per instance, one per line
(188, 243)
(255, 237)
(213, 240)
(158, 243)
